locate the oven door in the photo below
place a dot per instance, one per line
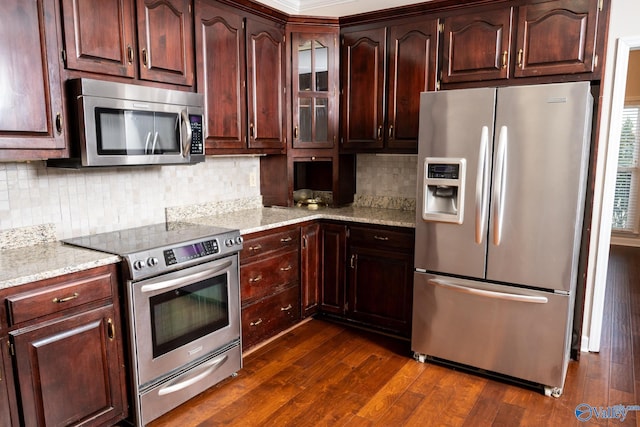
(181, 316)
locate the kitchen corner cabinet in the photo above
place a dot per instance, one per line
(540, 38)
(269, 283)
(5, 405)
(31, 120)
(378, 113)
(240, 72)
(65, 343)
(310, 269)
(367, 276)
(100, 37)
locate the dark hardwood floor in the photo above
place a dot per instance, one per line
(326, 374)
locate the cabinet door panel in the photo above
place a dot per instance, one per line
(477, 46)
(556, 37)
(333, 252)
(310, 266)
(165, 41)
(99, 36)
(265, 84)
(363, 56)
(69, 371)
(31, 98)
(412, 69)
(221, 74)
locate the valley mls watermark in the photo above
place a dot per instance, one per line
(585, 412)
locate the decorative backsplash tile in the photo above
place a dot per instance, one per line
(386, 181)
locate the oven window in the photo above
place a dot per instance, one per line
(188, 313)
(132, 132)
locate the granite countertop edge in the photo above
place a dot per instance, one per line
(46, 260)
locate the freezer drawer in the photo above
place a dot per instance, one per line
(512, 331)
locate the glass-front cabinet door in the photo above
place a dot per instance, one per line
(314, 90)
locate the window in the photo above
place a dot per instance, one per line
(625, 204)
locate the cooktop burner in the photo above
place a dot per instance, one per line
(154, 249)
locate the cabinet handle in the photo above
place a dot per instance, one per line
(255, 248)
(255, 279)
(520, 57)
(304, 242)
(251, 130)
(287, 268)
(380, 132)
(286, 239)
(256, 323)
(111, 329)
(353, 260)
(391, 132)
(59, 123)
(69, 298)
(144, 57)
(287, 308)
(383, 238)
(130, 54)
(295, 132)
(504, 59)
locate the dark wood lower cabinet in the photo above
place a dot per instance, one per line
(5, 405)
(68, 371)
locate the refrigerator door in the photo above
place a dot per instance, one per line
(539, 179)
(518, 332)
(456, 125)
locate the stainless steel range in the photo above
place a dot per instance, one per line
(181, 283)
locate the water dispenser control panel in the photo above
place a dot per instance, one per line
(444, 189)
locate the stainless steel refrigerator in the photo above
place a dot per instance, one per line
(500, 202)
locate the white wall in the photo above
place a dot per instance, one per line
(623, 23)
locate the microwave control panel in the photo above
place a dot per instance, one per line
(197, 145)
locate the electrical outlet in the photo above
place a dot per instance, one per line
(253, 179)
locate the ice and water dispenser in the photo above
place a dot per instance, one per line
(444, 189)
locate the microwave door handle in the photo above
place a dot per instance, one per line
(146, 143)
(155, 141)
(186, 148)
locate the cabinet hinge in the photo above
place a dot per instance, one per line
(600, 5)
(438, 85)
(12, 349)
(595, 61)
(243, 22)
(441, 27)
(63, 56)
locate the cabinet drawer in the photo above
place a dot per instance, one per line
(36, 303)
(254, 247)
(382, 238)
(269, 316)
(261, 278)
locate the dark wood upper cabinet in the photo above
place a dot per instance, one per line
(412, 69)
(165, 41)
(383, 72)
(99, 36)
(240, 69)
(221, 71)
(31, 115)
(556, 37)
(363, 58)
(476, 46)
(265, 84)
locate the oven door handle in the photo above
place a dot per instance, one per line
(207, 368)
(162, 284)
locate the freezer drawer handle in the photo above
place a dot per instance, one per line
(490, 294)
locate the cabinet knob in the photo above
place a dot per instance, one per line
(130, 54)
(382, 238)
(391, 132)
(59, 123)
(256, 323)
(145, 58)
(255, 279)
(295, 132)
(505, 55)
(111, 329)
(520, 57)
(380, 132)
(66, 299)
(287, 308)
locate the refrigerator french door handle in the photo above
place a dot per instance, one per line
(482, 185)
(490, 294)
(500, 181)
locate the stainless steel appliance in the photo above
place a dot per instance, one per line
(181, 284)
(502, 177)
(123, 125)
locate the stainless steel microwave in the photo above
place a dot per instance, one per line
(117, 124)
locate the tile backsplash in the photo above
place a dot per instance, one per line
(79, 202)
(87, 201)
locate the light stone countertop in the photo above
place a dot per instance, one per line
(45, 260)
(255, 220)
(50, 259)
